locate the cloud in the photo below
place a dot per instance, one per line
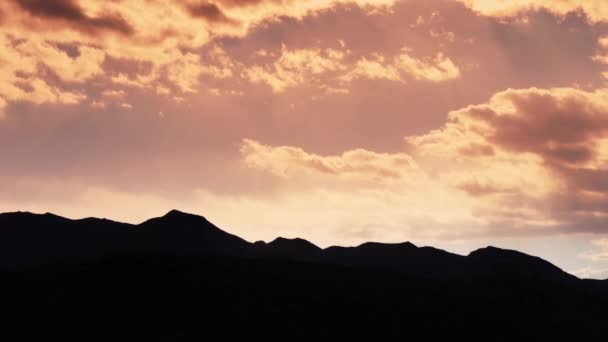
(23, 62)
(65, 9)
(294, 67)
(403, 66)
(437, 69)
(285, 160)
(516, 158)
(78, 41)
(331, 69)
(595, 10)
(71, 12)
(210, 12)
(170, 46)
(562, 126)
(548, 151)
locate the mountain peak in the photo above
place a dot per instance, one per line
(177, 219)
(296, 243)
(176, 214)
(517, 262)
(400, 245)
(32, 216)
(496, 251)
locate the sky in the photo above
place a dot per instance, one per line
(452, 123)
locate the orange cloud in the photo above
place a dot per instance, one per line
(437, 69)
(285, 160)
(562, 126)
(75, 38)
(72, 13)
(549, 148)
(21, 66)
(330, 69)
(295, 67)
(527, 160)
(596, 10)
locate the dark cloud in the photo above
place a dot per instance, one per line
(60, 9)
(71, 12)
(564, 128)
(111, 22)
(561, 128)
(210, 12)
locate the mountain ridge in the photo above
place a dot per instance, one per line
(180, 233)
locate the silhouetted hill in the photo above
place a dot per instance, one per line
(179, 233)
(181, 278)
(28, 239)
(509, 263)
(401, 257)
(290, 249)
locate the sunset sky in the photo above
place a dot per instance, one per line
(452, 123)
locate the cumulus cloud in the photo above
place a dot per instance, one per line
(294, 67)
(332, 69)
(437, 69)
(561, 126)
(372, 195)
(404, 66)
(359, 163)
(79, 40)
(528, 160)
(25, 61)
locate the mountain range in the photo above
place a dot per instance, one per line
(28, 240)
(132, 279)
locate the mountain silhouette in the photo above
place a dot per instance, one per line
(179, 278)
(290, 249)
(506, 262)
(179, 233)
(28, 239)
(403, 257)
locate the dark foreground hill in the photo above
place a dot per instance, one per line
(180, 278)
